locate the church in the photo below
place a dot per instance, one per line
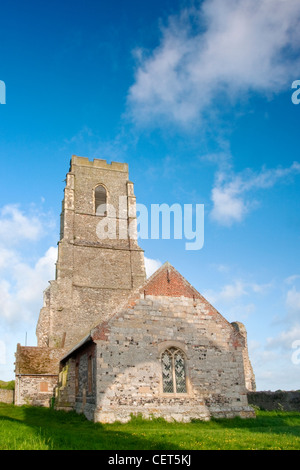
(112, 343)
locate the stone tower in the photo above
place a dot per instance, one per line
(99, 261)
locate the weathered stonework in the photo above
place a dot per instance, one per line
(36, 375)
(279, 400)
(7, 396)
(249, 374)
(128, 348)
(110, 343)
(93, 275)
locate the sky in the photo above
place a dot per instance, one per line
(201, 99)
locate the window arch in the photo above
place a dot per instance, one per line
(100, 200)
(173, 371)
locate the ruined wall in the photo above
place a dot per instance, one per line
(94, 275)
(279, 400)
(129, 371)
(7, 396)
(249, 374)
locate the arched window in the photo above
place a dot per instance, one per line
(173, 371)
(100, 200)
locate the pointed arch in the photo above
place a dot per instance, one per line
(173, 362)
(100, 200)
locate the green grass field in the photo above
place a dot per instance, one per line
(31, 428)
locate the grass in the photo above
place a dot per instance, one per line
(7, 385)
(32, 428)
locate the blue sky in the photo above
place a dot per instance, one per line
(196, 98)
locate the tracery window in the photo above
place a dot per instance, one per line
(100, 200)
(173, 371)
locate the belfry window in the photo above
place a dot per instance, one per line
(100, 200)
(173, 371)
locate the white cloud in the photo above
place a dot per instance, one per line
(221, 268)
(285, 339)
(229, 207)
(24, 275)
(292, 279)
(21, 291)
(293, 302)
(236, 290)
(229, 195)
(231, 292)
(215, 53)
(151, 265)
(16, 225)
(23, 280)
(284, 370)
(237, 300)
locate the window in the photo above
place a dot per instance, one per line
(90, 374)
(100, 200)
(76, 378)
(173, 371)
(44, 387)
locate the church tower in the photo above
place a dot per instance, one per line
(99, 261)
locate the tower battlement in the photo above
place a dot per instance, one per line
(98, 163)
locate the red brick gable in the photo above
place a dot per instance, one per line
(168, 282)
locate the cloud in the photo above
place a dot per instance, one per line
(213, 54)
(221, 268)
(237, 299)
(293, 302)
(23, 280)
(231, 292)
(292, 279)
(284, 342)
(229, 194)
(16, 226)
(21, 290)
(236, 290)
(285, 339)
(151, 265)
(228, 205)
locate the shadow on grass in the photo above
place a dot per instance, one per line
(61, 430)
(70, 431)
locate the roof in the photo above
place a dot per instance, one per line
(84, 340)
(32, 360)
(167, 281)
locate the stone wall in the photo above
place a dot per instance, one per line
(249, 374)
(36, 376)
(279, 400)
(93, 275)
(125, 354)
(129, 370)
(6, 396)
(35, 390)
(65, 390)
(77, 381)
